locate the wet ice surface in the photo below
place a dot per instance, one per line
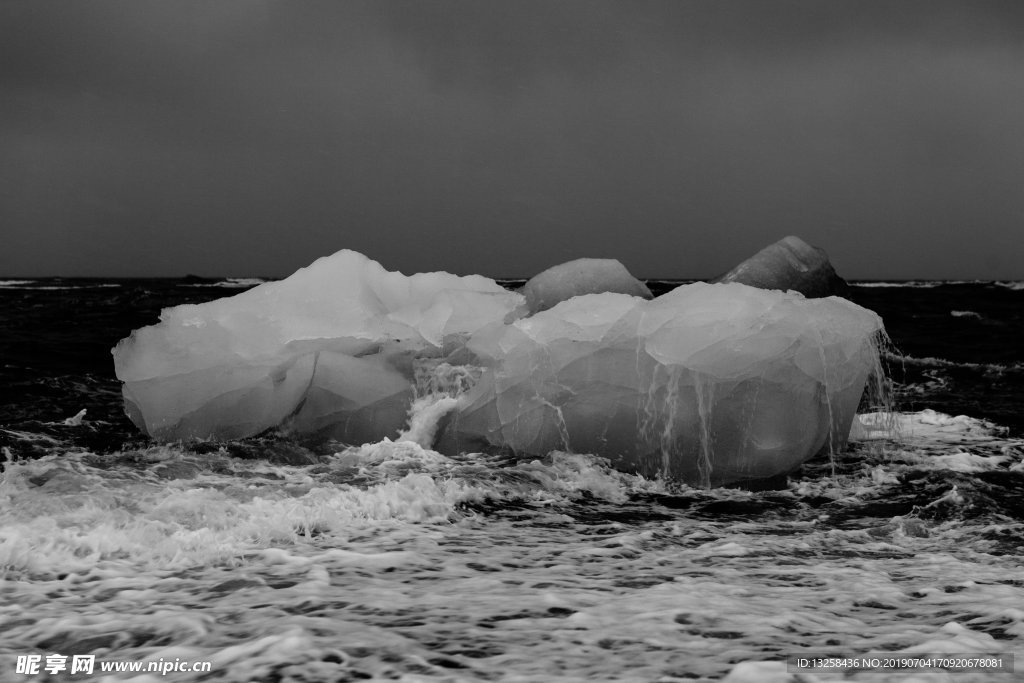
(394, 562)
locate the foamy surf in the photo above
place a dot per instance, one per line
(392, 561)
(228, 283)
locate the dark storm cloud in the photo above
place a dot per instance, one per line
(233, 137)
(499, 42)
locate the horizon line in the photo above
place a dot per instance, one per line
(272, 278)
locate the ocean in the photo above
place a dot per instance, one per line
(280, 559)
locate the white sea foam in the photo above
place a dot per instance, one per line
(908, 283)
(928, 284)
(944, 363)
(919, 284)
(390, 560)
(938, 441)
(229, 283)
(242, 282)
(930, 429)
(425, 413)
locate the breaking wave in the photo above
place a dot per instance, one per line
(390, 560)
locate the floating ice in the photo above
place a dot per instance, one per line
(582, 276)
(710, 383)
(329, 349)
(790, 264)
(76, 419)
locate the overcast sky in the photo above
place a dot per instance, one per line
(143, 138)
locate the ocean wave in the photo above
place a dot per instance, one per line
(391, 560)
(38, 285)
(230, 283)
(932, 362)
(388, 561)
(920, 284)
(670, 281)
(927, 424)
(167, 507)
(910, 283)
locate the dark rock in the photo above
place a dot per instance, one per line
(790, 264)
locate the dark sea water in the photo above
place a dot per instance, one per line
(276, 559)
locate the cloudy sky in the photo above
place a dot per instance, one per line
(145, 138)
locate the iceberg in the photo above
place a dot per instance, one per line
(709, 383)
(575, 278)
(329, 350)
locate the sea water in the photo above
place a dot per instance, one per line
(279, 559)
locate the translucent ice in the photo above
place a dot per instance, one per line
(330, 349)
(582, 276)
(710, 383)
